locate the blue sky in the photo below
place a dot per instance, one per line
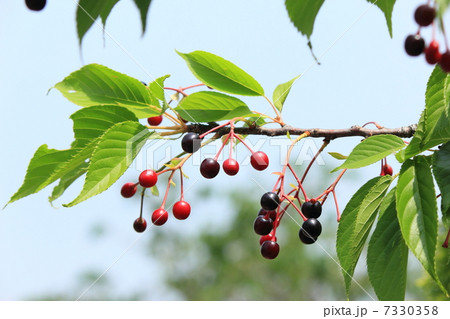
(364, 76)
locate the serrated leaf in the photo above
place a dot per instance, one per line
(115, 151)
(356, 222)
(91, 122)
(143, 6)
(221, 74)
(441, 171)
(68, 180)
(157, 87)
(387, 6)
(371, 150)
(303, 14)
(387, 254)
(434, 124)
(413, 147)
(338, 156)
(205, 106)
(87, 13)
(96, 84)
(437, 120)
(281, 92)
(417, 212)
(39, 172)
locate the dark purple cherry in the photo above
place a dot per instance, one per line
(209, 168)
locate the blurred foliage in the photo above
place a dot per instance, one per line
(225, 263)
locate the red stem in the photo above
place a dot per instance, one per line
(167, 190)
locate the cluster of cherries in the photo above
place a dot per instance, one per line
(269, 218)
(210, 167)
(147, 179)
(425, 15)
(36, 5)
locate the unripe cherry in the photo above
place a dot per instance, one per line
(230, 166)
(259, 161)
(155, 120)
(432, 54)
(181, 210)
(159, 217)
(148, 178)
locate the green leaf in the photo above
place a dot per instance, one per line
(303, 14)
(387, 255)
(221, 74)
(441, 172)
(157, 87)
(417, 212)
(88, 11)
(442, 6)
(413, 147)
(437, 120)
(387, 6)
(143, 6)
(114, 153)
(39, 173)
(338, 156)
(371, 150)
(434, 125)
(96, 84)
(281, 92)
(67, 180)
(205, 106)
(91, 122)
(356, 221)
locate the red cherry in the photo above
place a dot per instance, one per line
(387, 169)
(230, 167)
(140, 224)
(268, 237)
(181, 210)
(155, 120)
(148, 178)
(445, 62)
(159, 217)
(259, 161)
(432, 54)
(128, 190)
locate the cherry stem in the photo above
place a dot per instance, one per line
(181, 185)
(167, 190)
(444, 33)
(245, 144)
(337, 205)
(295, 207)
(142, 202)
(181, 91)
(300, 185)
(223, 145)
(331, 188)
(230, 155)
(445, 244)
(378, 126)
(215, 128)
(325, 143)
(278, 118)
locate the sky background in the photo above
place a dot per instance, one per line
(364, 76)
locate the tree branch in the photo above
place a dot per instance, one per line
(328, 134)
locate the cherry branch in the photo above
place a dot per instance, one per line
(328, 134)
